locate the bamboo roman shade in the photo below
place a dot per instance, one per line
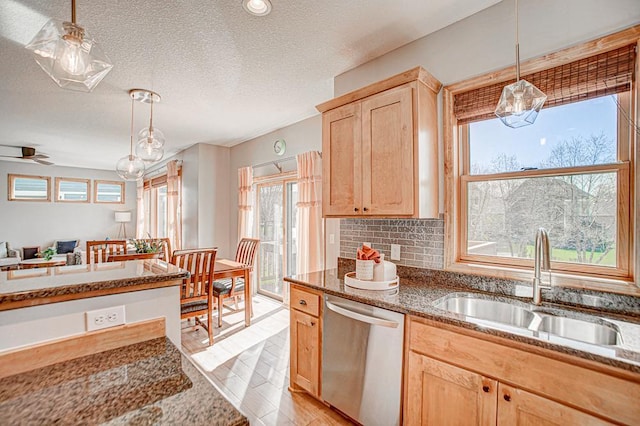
(602, 74)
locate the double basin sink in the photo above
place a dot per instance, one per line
(597, 332)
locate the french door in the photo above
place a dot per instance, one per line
(276, 228)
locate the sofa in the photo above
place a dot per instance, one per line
(8, 257)
(69, 246)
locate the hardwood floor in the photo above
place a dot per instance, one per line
(250, 366)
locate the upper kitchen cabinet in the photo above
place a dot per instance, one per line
(380, 149)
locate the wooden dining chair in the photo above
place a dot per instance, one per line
(132, 256)
(98, 251)
(234, 287)
(195, 298)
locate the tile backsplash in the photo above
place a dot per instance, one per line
(421, 240)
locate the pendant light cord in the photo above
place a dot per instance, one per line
(73, 11)
(131, 132)
(151, 118)
(517, 46)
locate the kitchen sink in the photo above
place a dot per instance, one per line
(490, 310)
(584, 331)
(523, 316)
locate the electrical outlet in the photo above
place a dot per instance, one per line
(395, 251)
(104, 318)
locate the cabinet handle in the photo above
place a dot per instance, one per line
(507, 397)
(303, 302)
(366, 209)
(313, 323)
(485, 388)
(355, 209)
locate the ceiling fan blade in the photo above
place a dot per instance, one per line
(33, 157)
(46, 163)
(9, 156)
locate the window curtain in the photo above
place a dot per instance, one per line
(245, 197)
(310, 225)
(140, 208)
(173, 206)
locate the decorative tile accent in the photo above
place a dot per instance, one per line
(421, 240)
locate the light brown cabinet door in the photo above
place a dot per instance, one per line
(341, 163)
(517, 407)
(305, 352)
(442, 394)
(387, 153)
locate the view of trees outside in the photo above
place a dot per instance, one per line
(578, 211)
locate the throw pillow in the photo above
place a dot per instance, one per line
(4, 250)
(64, 247)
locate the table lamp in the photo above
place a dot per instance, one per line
(123, 218)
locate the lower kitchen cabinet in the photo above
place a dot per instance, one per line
(522, 408)
(306, 338)
(455, 376)
(443, 394)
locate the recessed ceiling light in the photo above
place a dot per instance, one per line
(257, 7)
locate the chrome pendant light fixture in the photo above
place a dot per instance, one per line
(521, 101)
(69, 55)
(150, 146)
(130, 167)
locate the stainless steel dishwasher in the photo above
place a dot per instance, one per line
(362, 360)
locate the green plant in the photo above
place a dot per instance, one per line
(147, 246)
(48, 253)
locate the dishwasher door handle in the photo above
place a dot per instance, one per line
(361, 317)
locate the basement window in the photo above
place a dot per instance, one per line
(570, 173)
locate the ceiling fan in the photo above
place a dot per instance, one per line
(29, 153)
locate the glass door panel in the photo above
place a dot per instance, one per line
(290, 225)
(271, 234)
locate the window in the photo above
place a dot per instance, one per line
(156, 207)
(29, 188)
(106, 191)
(570, 172)
(71, 190)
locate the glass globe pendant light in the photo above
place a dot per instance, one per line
(150, 146)
(130, 167)
(69, 55)
(521, 101)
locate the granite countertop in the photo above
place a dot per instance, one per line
(150, 382)
(29, 287)
(416, 296)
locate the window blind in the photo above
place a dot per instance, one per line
(603, 74)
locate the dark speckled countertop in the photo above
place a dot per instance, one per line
(30, 287)
(146, 383)
(416, 296)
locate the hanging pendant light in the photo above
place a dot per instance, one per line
(150, 146)
(68, 54)
(130, 167)
(521, 101)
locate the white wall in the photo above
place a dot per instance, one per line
(35, 223)
(205, 197)
(35, 324)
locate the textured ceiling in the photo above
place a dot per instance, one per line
(224, 76)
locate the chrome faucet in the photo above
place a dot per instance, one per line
(541, 262)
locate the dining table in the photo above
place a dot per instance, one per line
(226, 268)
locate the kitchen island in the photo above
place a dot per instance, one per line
(57, 365)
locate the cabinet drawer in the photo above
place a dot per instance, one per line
(305, 301)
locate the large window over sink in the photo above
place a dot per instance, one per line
(570, 172)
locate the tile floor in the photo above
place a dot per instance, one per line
(250, 366)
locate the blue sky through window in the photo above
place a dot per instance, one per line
(531, 145)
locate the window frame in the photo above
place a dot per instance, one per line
(622, 278)
(150, 196)
(11, 178)
(59, 180)
(97, 182)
